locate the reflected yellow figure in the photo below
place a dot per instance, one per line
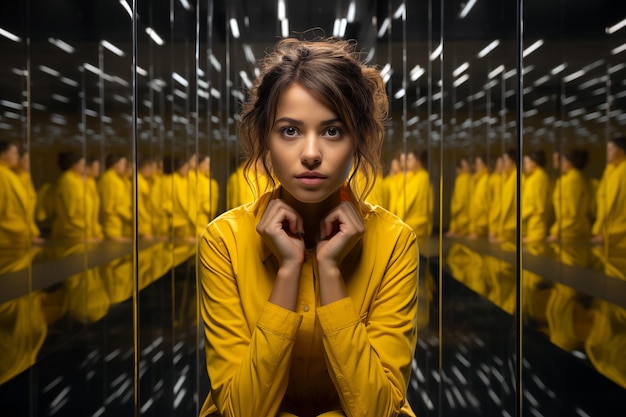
(208, 193)
(508, 214)
(391, 183)
(184, 203)
(115, 200)
(23, 172)
(117, 279)
(71, 208)
(145, 208)
(606, 343)
(571, 199)
(161, 202)
(414, 203)
(23, 329)
(479, 200)
(467, 266)
(93, 224)
(88, 300)
(240, 191)
(15, 225)
(460, 203)
(610, 224)
(495, 183)
(376, 196)
(535, 197)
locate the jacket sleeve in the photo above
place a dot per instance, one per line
(370, 363)
(248, 367)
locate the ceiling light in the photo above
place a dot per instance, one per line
(437, 52)
(612, 29)
(185, 4)
(466, 9)
(62, 45)
(400, 93)
(216, 64)
(10, 35)
(460, 69)
(558, 69)
(460, 80)
(496, 71)
(532, 48)
(49, 71)
(108, 45)
(483, 53)
(180, 79)
(142, 71)
(619, 49)
(154, 36)
(234, 28)
(284, 27)
(384, 27)
(351, 12)
(127, 8)
(400, 12)
(282, 13)
(416, 72)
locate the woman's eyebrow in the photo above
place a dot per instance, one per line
(299, 122)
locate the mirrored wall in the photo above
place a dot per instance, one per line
(504, 151)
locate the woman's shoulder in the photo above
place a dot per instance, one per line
(380, 219)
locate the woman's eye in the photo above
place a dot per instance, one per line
(333, 131)
(289, 131)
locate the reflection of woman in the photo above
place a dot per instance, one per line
(480, 200)
(92, 172)
(115, 201)
(176, 197)
(508, 215)
(145, 169)
(244, 185)
(610, 222)
(391, 182)
(314, 314)
(23, 173)
(495, 184)
(571, 198)
(535, 197)
(208, 193)
(15, 226)
(460, 204)
(414, 202)
(71, 204)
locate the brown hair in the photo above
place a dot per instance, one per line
(333, 72)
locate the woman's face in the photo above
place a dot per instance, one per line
(479, 164)
(94, 169)
(613, 153)
(565, 165)
(120, 166)
(411, 162)
(507, 163)
(205, 165)
(529, 165)
(11, 156)
(80, 166)
(309, 147)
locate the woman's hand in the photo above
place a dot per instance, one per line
(340, 230)
(281, 228)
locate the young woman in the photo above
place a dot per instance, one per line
(309, 294)
(535, 197)
(610, 224)
(571, 199)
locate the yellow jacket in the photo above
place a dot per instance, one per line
(479, 204)
(495, 183)
(414, 202)
(571, 199)
(93, 223)
(354, 354)
(392, 186)
(460, 203)
(508, 213)
(71, 206)
(161, 202)
(535, 200)
(115, 206)
(144, 207)
(31, 198)
(208, 195)
(15, 225)
(239, 191)
(611, 202)
(184, 206)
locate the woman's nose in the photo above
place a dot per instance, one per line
(311, 154)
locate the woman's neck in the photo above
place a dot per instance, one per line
(312, 214)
